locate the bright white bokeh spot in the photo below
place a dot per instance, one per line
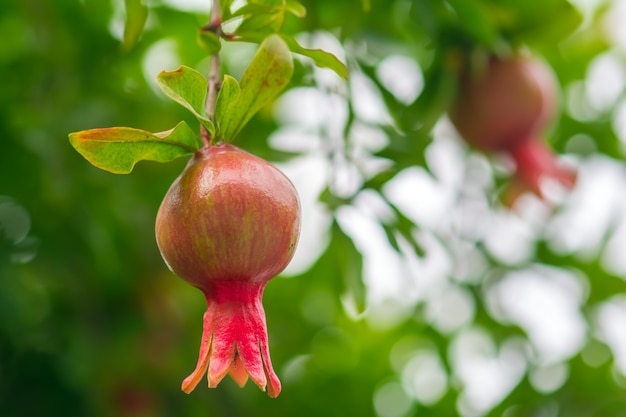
(236, 56)
(346, 179)
(509, 238)
(587, 7)
(162, 55)
(613, 258)
(451, 198)
(446, 156)
(610, 320)
(367, 101)
(390, 400)
(582, 223)
(394, 282)
(430, 272)
(402, 76)
(450, 309)
(546, 303)
(304, 106)
(386, 314)
(419, 196)
(424, 377)
(200, 6)
(605, 81)
(614, 24)
(365, 137)
(487, 374)
(309, 107)
(295, 139)
(118, 20)
(371, 203)
(304, 173)
(470, 263)
(382, 267)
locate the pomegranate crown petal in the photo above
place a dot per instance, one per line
(221, 354)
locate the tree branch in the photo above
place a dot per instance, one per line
(214, 72)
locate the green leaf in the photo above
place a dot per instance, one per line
(225, 6)
(226, 98)
(136, 16)
(209, 41)
(440, 86)
(188, 88)
(251, 9)
(266, 17)
(431, 16)
(321, 58)
(261, 24)
(260, 19)
(474, 19)
(405, 227)
(390, 232)
(118, 149)
(268, 73)
(542, 22)
(295, 8)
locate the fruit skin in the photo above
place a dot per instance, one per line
(506, 103)
(228, 224)
(504, 109)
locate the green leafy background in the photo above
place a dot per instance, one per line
(93, 323)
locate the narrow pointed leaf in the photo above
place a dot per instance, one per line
(227, 98)
(118, 149)
(261, 24)
(405, 227)
(295, 8)
(321, 58)
(268, 73)
(209, 41)
(251, 9)
(225, 6)
(263, 18)
(188, 88)
(390, 232)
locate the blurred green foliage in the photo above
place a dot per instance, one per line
(93, 323)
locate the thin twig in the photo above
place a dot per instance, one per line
(214, 72)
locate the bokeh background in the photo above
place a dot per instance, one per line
(414, 292)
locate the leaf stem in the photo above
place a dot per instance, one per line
(214, 73)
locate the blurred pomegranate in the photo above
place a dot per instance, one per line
(505, 108)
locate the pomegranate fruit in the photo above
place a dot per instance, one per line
(504, 109)
(228, 224)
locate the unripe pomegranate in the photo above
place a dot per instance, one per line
(228, 224)
(505, 108)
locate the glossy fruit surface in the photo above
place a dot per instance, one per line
(228, 224)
